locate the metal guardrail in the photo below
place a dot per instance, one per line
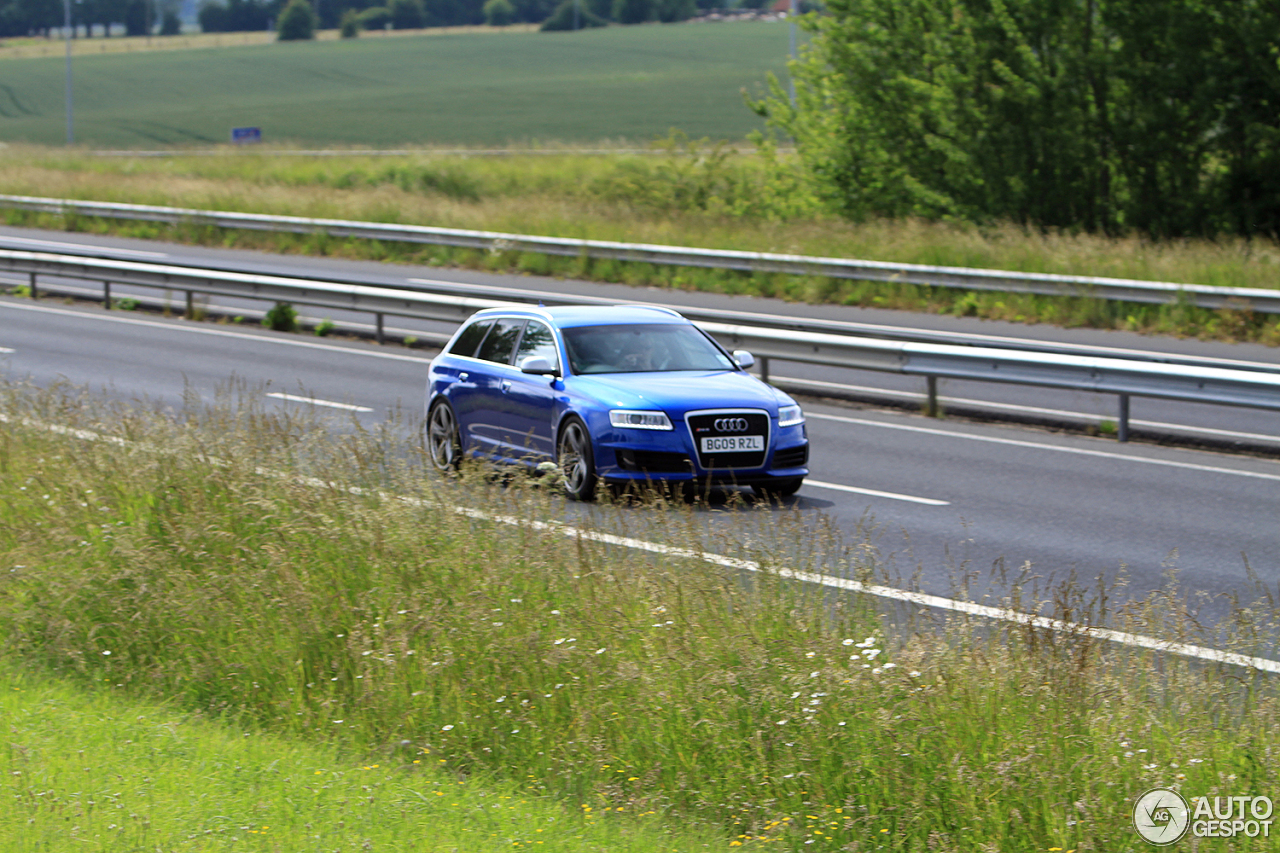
(1157, 292)
(1123, 377)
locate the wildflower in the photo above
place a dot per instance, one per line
(870, 654)
(106, 653)
(915, 673)
(809, 654)
(446, 728)
(847, 643)
(601, 651)
(889, 666)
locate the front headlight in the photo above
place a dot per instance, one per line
(632, 419)
(790, 416)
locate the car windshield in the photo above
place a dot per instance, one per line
(642, 347)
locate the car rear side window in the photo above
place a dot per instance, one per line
(470, 338)
(500, 343)
(538, 340)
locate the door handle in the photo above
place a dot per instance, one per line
(506, 385)
(462, 377)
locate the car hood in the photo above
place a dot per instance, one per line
(677, 392)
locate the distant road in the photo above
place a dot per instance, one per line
(948, 497)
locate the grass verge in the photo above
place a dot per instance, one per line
(88, 768)
(320, 584)
(694, 194)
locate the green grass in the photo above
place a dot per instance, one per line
(91, 768)
(471, 88)
(320, 585)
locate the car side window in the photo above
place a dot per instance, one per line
(470, 338)
(538, 340)
(500, 343)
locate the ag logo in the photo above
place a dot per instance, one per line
(1161, 816)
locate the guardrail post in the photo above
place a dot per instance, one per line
(191, 305)
(764, 368)
(1122, 424)
(931, 397)
(33, 285)
(106, 295)
(379, 316)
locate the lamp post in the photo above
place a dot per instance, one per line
(66, 33)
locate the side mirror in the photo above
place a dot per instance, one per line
(538, 364)
(745, 359)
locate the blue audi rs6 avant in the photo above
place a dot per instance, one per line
(621, 394)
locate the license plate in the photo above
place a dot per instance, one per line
(732, 443)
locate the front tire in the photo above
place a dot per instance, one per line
(577, 460)
(443, 442)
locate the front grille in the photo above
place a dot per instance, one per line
(654, 462)
(791, 457)
(712, 425)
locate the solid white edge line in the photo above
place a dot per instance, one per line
(5, 238)
(1034, 445)
(1000, 614)
(875, 493)
(291, 398)
(210, 330)
(1015, 407)
(7, 349)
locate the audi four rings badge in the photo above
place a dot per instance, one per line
(731, 424)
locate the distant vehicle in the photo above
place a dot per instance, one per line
(626, 395)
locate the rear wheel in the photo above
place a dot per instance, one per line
(443, 442)
(779, 488)
(576, 459)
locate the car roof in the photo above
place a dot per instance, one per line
(566, 316)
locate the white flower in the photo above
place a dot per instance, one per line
(601, 651)
(889, 665)
(445, 728)
(781, 722)
(795, 695)
(870, 654)
(847, 643)
(809, 654)
(501, 699)
(915, 673)
(106, 653)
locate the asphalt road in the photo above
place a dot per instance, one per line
(943, 498)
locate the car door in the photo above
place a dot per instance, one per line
(529, 405)
(482, 420)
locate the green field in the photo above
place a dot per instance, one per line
(618, 83)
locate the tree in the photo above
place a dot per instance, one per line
(671, 11)
(407, 14)
(499, 13)
(633, 11)
(1107, 115)
(349, 26)
(297, 22)
(564, 16)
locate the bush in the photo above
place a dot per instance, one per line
(499, 13)
(283, 317)
(407, 14)
(297, 22)
(349, 26)
(562, 17)
(633, 11)
(375, 18)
